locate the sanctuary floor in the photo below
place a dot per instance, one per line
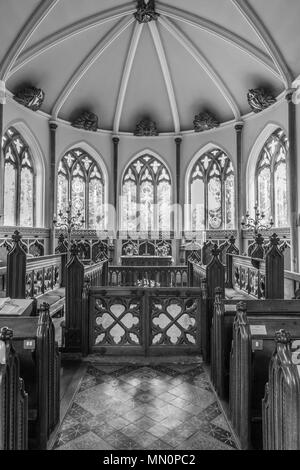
(152, 407)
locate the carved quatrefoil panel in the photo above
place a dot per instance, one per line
(117, 322)
(174, 321)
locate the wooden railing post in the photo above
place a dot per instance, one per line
(62, 249)
(274, 270)
(217, 353)
(85, 317)
(16, 269)
(74, 286)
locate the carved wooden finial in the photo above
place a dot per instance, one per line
(16, 236)
(215, 251)
(6, 334)
(232, 240)
(74, 249)
(283, 337)
(259, 239)
(274, 240)
(242, 307)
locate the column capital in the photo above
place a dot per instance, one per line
(178, 139)
(115, 139)
(239, 126)
(289, 94)
(53, 125)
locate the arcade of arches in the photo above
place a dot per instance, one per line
(149, 152)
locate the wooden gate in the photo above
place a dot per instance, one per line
(139, 321)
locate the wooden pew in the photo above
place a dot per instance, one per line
(74, 327)
(260, 278)
(281, 404)
(34, 342)
(13, 398)
(209, 278)
(252, 348)
(38, 278)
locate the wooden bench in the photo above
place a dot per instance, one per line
(34, 342)
(13, 398)
(281, 404)
(252, 348)
(38, 278)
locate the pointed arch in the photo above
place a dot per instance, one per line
(39, 166)
(262, 170)
(146, 194)
(210, 183)
(82, 177)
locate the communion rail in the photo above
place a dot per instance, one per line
(138, 321)
(148, 276)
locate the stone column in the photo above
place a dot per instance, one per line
(178, 142)
(2, 103)
(292, 177)
(116, 142)
(239, 185)
(52, 185)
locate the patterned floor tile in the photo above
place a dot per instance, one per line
(159, 407)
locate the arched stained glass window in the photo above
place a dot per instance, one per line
(146, 196)
(19, 181)
(212, 192)
(80, 181)
(271, 179)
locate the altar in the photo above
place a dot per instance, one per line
(146, 260)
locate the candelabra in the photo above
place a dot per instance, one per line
(68, 222)
(257, 223)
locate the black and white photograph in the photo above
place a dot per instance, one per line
(149, 228)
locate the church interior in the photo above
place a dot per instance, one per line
(149, 225)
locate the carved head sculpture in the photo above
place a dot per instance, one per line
(205, 121)
(260, 99)
(146, 127)
(87, 121)
(30, 97)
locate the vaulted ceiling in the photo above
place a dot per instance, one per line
(199, 55)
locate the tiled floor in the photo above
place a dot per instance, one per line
(136, 407)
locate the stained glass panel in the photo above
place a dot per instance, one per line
(78, 195)
(197, 203)
(96, 214)
(264, 192)
(164, 197)
(229, 202)
(214, 204)
(26, 200)
(10, 195)
(62, 194)
(281, 203)
(146, 206)
(129, 221)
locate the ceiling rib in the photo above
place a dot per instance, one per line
(90, 59)
(66, 33)
(203, 62)
(126, 74)
(266, 39)
(222, 33)
(166, 73)
(24, 36)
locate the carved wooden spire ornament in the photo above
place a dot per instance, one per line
(146, 11)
